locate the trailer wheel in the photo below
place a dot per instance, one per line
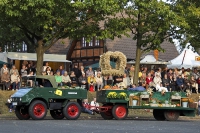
(38, 110)
(72, 111)
(171, 115)
(22, 112)
(159, 114)
(57, 114)
(120, 112)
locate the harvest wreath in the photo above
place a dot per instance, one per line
(104, 63)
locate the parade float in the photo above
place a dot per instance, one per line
(116, 100)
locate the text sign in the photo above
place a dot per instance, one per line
(197, 58)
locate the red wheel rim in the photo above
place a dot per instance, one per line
(73, 110)
(120, 111)
(39, 110)
(171, 114)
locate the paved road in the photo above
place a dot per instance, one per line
(99, 126)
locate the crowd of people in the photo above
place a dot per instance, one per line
(93, 80)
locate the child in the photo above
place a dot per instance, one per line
(10, 106)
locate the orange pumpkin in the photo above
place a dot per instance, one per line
(115, 87)
(107, 87)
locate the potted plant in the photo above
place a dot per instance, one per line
(135, 100)
(184, 102)
(112, 95)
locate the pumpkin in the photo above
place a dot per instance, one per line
(107, 87)
(115, 87)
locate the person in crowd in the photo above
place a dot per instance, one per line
(198, 82)
(180, 83)
(4, 68)
(158, 72)
(48, 71)
(89, 72)
(138, 88)
(165, 81)
(176, 73)
(131, 73)
(51, 73)
(149, 79)
(97, 71)
(194, 84)
(165, 71)
(187, 84)
(23, 71)
(58, 78)
(86, 107)
(126, 81)
(61, 70)
(170, 73)
(117, 79)
(10, 105)
(91, 82)
(82, 70)
(126, 71)
(14, 69)
(66, 79)
(142, 79)
(29, 68)
(108, 80)
(157, 80)
(30, 80)
(45, 66)
(94, 104)
(99, 81)
(152, 73)
(74, 79)
(83, 81)
(172, 83)
(195, 74)
(76, 71)
(161, 88)
(145, 70)
(5, 79)
(15, 81)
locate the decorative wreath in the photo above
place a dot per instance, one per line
(120, 65)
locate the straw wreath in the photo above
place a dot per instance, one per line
(119, 66)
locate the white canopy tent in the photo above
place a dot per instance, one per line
(186, 59)
(150, 59)
(33, 57)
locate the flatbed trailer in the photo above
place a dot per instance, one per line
(118, 107)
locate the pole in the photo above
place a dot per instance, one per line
(183, 58)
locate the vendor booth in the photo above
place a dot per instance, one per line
(54, 60)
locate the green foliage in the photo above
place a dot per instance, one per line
(189, 11)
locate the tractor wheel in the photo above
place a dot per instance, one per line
(57, 114)
(107, 115)
(120, 112)
(72, 110)
(159, 114)
(38, 110)
(171, 115)
(22, 112)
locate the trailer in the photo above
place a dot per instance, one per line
(166, 106)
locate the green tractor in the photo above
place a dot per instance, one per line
(34, 102)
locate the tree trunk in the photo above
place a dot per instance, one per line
(40, 55)
(137, 66)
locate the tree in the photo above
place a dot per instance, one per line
(190, 33)
(149, 22)
(43, 22)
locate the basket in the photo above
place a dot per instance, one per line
(193, 105)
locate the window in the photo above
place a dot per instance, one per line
(84, 42)
(96, 42)
(91, 42)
